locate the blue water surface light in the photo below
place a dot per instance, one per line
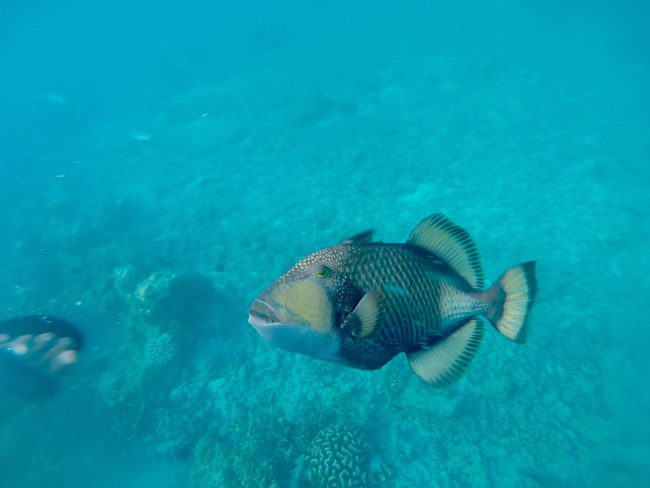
(162, 163)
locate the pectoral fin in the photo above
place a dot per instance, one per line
(447, 360)
(367, 315)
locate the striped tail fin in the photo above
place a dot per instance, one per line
(510, 299)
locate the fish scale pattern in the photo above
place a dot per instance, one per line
(417, 310)
(338, 457)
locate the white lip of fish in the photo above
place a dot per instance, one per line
(262, 313)
(266, 321)
(272, 330)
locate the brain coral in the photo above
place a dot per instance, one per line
(338, 457)
(160, 350)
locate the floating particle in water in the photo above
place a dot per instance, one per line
(141, 137)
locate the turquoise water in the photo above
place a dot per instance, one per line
(161, 163)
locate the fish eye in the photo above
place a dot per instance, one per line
(323, 272)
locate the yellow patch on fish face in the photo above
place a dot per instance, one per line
(307, 301)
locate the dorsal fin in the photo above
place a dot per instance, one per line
(440, 236)
(364, 237)
(447, 360)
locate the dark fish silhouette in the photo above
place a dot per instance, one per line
(35, 350)
(360, 303)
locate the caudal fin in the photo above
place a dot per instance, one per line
(510, 299)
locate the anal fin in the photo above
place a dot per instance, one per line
(446, 361)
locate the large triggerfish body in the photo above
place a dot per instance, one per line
(360, 303)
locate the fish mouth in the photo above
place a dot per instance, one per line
(268, 323)
(295, 337)
(262, 314)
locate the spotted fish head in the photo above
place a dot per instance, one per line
(301, 310)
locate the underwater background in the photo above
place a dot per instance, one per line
(162, 162)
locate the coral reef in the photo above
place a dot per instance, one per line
(159, 350)
(250, 454)
(167, 296)
(339, 457)
(158, 216)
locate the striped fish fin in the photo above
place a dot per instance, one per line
(438, 235)
(446, 361)
(367, 316)
(510, 299)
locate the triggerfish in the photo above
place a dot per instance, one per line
(360, 303)
(35, 350)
